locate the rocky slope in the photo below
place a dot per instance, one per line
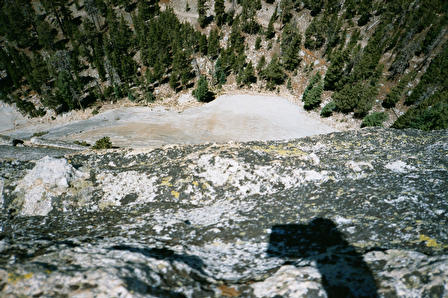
(360, 214)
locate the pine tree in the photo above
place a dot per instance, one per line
(314, 34)
(273, 73)
(270, 31)
(202, 13)
(397, 92)
(334, 72)
(313, 97)
(248, 75)
(213, 43)
(290, 44)
(202, 93)
(220, 74)
(182, 66)
(174, 80)
(248, 21)
(46, 35)
(203, 47)
(286, 9)
(220, 12)
(147, 9)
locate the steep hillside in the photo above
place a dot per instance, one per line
(380, 61)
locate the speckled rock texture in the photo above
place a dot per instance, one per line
(351, 214)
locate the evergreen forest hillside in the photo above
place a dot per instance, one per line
(379, 61)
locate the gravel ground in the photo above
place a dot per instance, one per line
(228, 118)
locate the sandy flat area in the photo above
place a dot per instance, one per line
(228, 118)
(9, 117)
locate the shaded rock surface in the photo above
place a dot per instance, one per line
(360, 214)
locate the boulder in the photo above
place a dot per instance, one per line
(350, 214)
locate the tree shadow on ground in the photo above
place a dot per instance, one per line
(343, 270)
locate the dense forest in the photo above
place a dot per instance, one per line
(383, 57)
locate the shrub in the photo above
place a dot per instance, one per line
(328, 109)
(82, 143)
(103, 143)
(374, 119)
(40, 133)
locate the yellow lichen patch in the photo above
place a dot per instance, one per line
(430, 242)
(175, 194)
(105, 204)
(205, 185)
(167, 181)
(28, 275)
(364, 244)
(195, 183)
(340, 192)
(284, 150)
(13, 278)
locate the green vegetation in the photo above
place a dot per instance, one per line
(82, 143)
(40, 133)
(202, 93)
(397, 92)
(328, 109)
(103, 143)
(374, 119)
(273, 73)
(313, 92)
(70, 59)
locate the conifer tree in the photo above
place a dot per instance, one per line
(290, 44)
(248, 21)
(182, 66)
(202, 13)
(220, 12)
(202, 93)
(313, 97)
(220, 74)
(270, 31)
(147, 9)
(248, 75)
(273, 73)
(46, 35)
(314, 34)
(334, 72)
(203, 47)
(213, 43)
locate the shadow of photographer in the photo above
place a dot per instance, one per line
(343, 270)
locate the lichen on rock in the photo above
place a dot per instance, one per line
(49, 178)
(359, 213)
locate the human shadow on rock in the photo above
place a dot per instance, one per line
(343, 270)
